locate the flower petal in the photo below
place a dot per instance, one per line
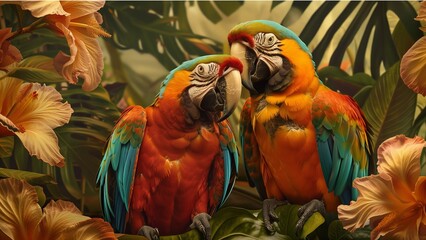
(42, 8)
(9, 88)
(81, 8)
(420, 189)
(19, 210)
(401, 225)
(41, 104)
(9, 54)
(377, 198)
(422, 12)
(91, 229)
(57, 217)
(41, 141)
(85, 60)
(399, 157)
(7, 128)
(420, 195)
(412, 69)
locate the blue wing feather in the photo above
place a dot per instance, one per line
(116, 172)
(230, 158)
(342, 142)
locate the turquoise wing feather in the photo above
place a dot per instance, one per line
(116, 172)
(230, 158)
(342, 141)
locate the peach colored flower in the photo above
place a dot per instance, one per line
(422, 12)
(8, 53)
(31, 111)
(79, 22)
(413, 63)
(394, 201)
(21, 217)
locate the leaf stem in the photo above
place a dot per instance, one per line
(35, 25)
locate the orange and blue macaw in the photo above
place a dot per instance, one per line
(302, 142)
(168, 167)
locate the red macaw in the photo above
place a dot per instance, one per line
(302, 142)
(174, 162)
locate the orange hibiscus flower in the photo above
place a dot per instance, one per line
(413, 63)
(31, 111)
(21, 217)
(79, 22)
(394, 201)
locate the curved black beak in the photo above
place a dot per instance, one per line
(230, 89)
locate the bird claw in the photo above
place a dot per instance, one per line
(201, 222)
(306, 211)
(149, 232)
(269, 214)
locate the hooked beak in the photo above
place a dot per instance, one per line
(221, 98)
(256, 69)
(240, 50)
(230, 82)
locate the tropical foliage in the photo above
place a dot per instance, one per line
(53, 49)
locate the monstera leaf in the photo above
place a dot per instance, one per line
(368, 20)
(148, 28)
(239, 223)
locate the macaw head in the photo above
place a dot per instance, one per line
(273, 56)
(205, 86)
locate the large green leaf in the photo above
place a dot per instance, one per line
(239, 223)
(36, 69)
(368, 20)
(6, 147)
(41, 41)
(337, 232)
(339, 80)
(82, 141)
(418, 123)
(31, 177)
(148, 27)
(390, 107)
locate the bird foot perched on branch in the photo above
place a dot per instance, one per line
(149, 232)
(269, 215)
(201, 222)
(306, 211)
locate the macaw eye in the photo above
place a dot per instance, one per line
(202, 69)
(270, 39)
(206, 70)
